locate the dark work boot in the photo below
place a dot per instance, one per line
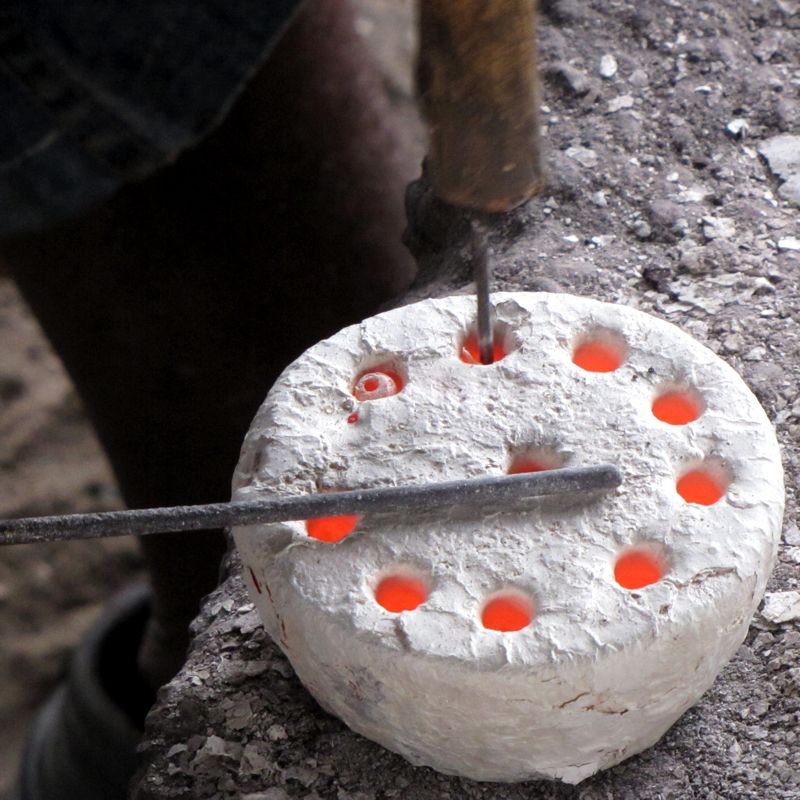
(83, 742)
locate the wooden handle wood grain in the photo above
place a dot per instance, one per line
(478, 86)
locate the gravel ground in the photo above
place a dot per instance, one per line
(673, 144)
(50, 462)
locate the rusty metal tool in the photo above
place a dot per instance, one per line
(473, 493)
(477, 82)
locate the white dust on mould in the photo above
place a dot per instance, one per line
(596, 671)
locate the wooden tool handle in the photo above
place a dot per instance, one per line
(478, 85)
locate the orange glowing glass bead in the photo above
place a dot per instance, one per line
(398, 593)
(507, 614)
(331, 529)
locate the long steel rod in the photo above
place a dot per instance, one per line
(480, 255)
(471, 493)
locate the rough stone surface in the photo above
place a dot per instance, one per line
(737, 295)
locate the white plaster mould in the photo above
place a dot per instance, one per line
(602, 672)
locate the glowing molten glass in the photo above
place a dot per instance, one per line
(677, 408)
(471, 351)
(527, 464)
(398, 593)
(331, 529)
(377, 384)
(507, 614)
(637, 569)
(701, 487)
(598, 356)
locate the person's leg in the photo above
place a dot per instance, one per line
(176, 304)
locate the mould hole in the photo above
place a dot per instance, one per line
(401, 592)
(331, 529)
(507, 611)
(600, 350)
(704, 484)
(639, 567)
(378, 382)
(503, 343)
(678, 405)
(535, 459)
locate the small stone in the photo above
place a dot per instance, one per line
(257, 667)
(608, 66)
(787, 7)
(789, 243)
(735, 751)
(599, 199)
(788, 110)
(755, 354)
(619, 103)
(253, 760)
(690, 256)
(639, 78)
(667, 214)
(781, 606)
(737, 128)
(565, 11)
(277, 732)
(769, 46)
(658, 277)
(241, 715)
(782, 153)
(792, 535)
(303, 775)
(696, 193)
(791, 190)
(642, 229)
(718, 228)
(247, 623)
(214, 747)
(568, 77)
(585, 156)
(733, 343)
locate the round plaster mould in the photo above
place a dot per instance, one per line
(603, 662)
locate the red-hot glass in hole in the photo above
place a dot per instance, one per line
(377, 384)
(471, 351)
(331, 529)
(506, 614)
(398, 593)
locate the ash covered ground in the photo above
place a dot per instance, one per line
(672, 134)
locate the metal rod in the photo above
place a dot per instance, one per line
(473, 493)
(480, 257)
